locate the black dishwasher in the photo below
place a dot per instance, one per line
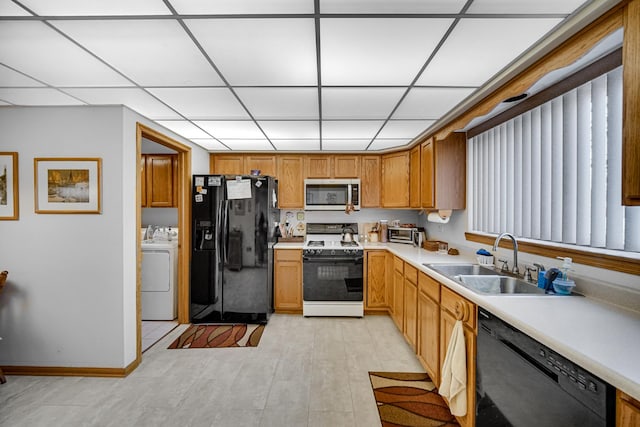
(523, 383)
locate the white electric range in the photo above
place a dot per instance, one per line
(332, 269)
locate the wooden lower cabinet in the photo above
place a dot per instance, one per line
(410, 312)
(628, 411)
(448, 318)
(376, 279)
(397, 312)
(428, 350)
(287, 288)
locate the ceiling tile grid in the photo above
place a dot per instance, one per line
(269, 75)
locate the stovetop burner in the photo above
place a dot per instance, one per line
(349, 244)
(315, 243)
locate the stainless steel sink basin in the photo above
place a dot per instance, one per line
(499, 285)
(451, 270)
(486, 281)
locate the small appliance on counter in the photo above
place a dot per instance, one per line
(408, 235)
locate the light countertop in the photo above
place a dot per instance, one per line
(603, 339)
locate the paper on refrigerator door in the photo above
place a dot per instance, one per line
(239, 189)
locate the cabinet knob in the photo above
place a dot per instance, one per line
(461, 311)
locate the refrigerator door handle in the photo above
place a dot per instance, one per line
(225, 231)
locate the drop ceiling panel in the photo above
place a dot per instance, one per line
(430, 103)
(8, 8)
(333, 129)
(394, 6)
(479, 48)
(8, 77)
(345, 144)
(184, 128)
(242, 6)
(382, 144)
(359, 103)
(375, 51)
(538, 6)
(280, 103)
(260, 51)
(96, 7)
(290, 129)
(248, 144)
(202, 103)
(151, 52)
(36, 96)
(231, 129)
(404, 128)
(296, 144)
(42, 53)
(136, 99)
(209, 144)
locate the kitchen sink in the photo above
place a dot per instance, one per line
(486, 281)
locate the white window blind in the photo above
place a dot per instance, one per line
(554, 173)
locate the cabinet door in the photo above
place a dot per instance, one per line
(288, 280)
(447, 321)
(345, 166)
(398, 299)
(395, 180)
(267, 165)
(227, 164)
(160, 176)
(290, 182)
(429, 336)
(376, 279)
(370, 182)
(628, 410)
(143, 181)
(427, 175)
(631, 108)
(410, 312)
(450, 171)
(318, 166)
(414, 186)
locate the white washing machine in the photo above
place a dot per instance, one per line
(159, 280)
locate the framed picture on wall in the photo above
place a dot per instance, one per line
(8, 186)
(67, 185)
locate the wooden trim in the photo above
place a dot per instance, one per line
(631, 106)
(63, 371)
(280, 311)
(565, 54)
(606, 261)
(598, 68)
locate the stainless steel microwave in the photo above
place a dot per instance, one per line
(331, 194)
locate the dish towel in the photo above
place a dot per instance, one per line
(454, 372)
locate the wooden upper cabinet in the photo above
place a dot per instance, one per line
(290, 182)
(143, 181)
(346, 166)
(444, 169)
(160, 172)
(395, 180)
(267, 165)
(414, 184)
(370, 182)
(227, 164)
(318, 166)
(631, 109)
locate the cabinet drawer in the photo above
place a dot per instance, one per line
(398, 264)
(429, 287)
(411, 273)
(459, 307)
(288, 255)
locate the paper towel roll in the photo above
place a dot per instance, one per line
(439, 217)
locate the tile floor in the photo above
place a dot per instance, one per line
(154, 330)
(305, 372)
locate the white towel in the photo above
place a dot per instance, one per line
(454, 372)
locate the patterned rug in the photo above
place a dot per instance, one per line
(216, 336)
(409, 399)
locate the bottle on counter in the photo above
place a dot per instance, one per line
(384, 226)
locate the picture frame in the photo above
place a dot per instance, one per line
(9, 205)
(68, 185)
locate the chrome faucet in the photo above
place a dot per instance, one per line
(515, 269)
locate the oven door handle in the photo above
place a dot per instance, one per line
(352, 260)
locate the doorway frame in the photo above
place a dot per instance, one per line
(184, 223)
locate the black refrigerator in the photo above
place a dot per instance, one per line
(233, 226)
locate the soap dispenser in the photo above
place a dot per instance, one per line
(562, 285)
